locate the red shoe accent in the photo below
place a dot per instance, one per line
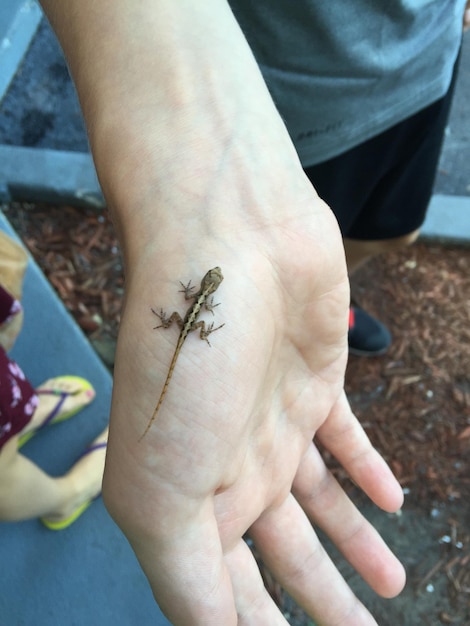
(351, 318)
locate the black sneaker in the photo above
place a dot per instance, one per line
(367, 336)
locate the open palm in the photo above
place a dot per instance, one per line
(232, 450)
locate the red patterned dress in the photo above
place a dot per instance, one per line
(18, 399)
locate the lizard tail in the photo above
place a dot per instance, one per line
(162, 395)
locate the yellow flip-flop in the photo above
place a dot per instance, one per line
(65, 523)
(54, 417)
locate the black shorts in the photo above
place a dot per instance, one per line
(381, 188)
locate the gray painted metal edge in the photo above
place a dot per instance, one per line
(39, 175)
(15, 40)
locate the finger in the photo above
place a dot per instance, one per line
(345, 438)
(289, 547)
(255, 607)
(328, 506)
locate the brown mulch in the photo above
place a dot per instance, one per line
(414, 402)
(78, 251)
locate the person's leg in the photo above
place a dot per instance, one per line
(358, 251)
(27, 492)
(368, 336)
(75, 397)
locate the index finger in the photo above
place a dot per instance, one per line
(344, 437)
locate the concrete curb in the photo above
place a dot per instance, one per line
(38, 175)
(448, 219)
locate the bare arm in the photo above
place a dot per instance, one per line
(166, 87)
(198, 171)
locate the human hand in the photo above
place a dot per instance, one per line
(231, 449)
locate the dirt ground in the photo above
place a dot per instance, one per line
(414, 402)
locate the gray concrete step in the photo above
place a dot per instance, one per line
(86, 574)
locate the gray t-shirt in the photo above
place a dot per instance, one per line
(342, 71)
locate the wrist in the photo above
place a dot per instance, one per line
(185, 136)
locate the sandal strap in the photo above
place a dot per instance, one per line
(92, 448)
(63, 396)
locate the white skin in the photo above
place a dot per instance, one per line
(76, 398)
(26, 491)
(198, 171)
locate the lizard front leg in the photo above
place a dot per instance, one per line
(210, 306)
(205, 332)
(188, 291)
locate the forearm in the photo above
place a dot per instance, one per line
(170, 92)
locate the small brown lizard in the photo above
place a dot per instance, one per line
(209, 284)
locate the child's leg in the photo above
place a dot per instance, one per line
(26, 491)
(77, 398)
